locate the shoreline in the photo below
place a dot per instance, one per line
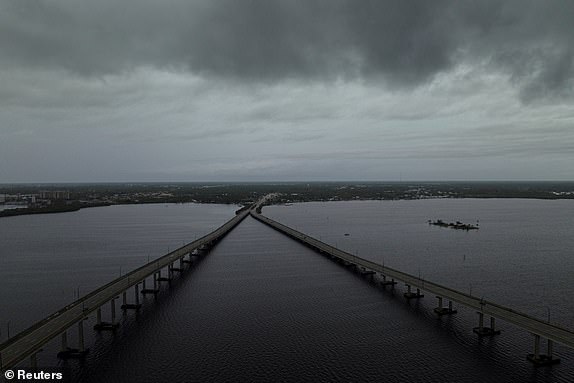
(76, 207)
(33, 211)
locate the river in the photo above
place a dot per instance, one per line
(261, 307)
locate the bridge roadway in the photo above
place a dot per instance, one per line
(31, 340)
(535, 326)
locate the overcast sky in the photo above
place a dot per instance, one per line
(265, 90)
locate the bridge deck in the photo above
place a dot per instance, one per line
(536, 326)
(31, 340)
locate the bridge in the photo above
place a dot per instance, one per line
(537, 327)
(30, 341)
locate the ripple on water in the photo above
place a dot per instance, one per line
(261, 307)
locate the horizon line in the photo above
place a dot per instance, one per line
(277, 181)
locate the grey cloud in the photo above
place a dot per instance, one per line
(530, 41)
(554, 80)
(402, 43)
(269, 89)
(196, 135)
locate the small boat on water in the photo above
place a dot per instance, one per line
(454, 225)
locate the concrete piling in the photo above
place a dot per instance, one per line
(113, 309)
(410, 295)
(33, 361)
(384, 282)
(65, 340)
(485, 331)
(74, 353)
(440, 310)
(539, 359)
(133, 306)
(81, 336)
(101, 325)
(137, 293)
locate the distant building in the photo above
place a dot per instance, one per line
(2, 198)
(55, 194)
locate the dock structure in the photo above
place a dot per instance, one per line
(538, 328)
(29, 342)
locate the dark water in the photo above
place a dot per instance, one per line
(46, 259)
(521, 256)
(261, 307)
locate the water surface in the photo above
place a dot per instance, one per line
(261, 307)
(521, 256)
(46, 259)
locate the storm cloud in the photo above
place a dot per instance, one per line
(285, 90)
(400, 43)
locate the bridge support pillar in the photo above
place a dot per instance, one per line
(440, 310)
(181, 263)
(65, 340)
(166, 279)
(539, 359)
(74, 353)
(99, 326)
(33, 361)
(133, 306)
(350, 265)
(81, 347)
(485, 331)
(155, 290)
(113, 309)
(366, 272)
(172, 269)
(410, 295)
(384, 282)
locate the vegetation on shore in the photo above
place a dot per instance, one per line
(90, 195)
(45, 210)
